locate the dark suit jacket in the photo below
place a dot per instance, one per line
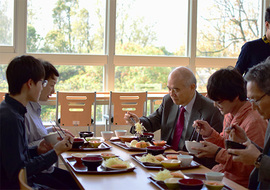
(263, 173)
(165, 118)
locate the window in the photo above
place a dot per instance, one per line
(128, 79)
(152, 27)
(79, 78)
(224, 26)
(6, 20)
(57, 26)
(147, 39)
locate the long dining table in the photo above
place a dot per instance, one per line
(136, 179)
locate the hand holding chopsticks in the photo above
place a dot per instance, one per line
(63, 132)
(202, 127)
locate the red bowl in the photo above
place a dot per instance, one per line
(147, 137)
(190, 183)
(92, 162)
(77, 142)
(155, 150)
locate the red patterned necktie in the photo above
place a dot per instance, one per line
(178, 129)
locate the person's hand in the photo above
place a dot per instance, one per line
(204, 128)
(44, 147)
(127, 117)
(208, 150)
(63, 145)
(237, 134)
(247, 156)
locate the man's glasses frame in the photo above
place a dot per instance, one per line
(256, 101)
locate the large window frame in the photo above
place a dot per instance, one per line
(110, 60)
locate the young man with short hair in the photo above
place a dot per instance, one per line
(25, 76)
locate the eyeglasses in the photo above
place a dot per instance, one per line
(44, 83)
(256, 101)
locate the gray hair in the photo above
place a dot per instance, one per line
(260, 74)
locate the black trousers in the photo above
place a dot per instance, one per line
(58, 179)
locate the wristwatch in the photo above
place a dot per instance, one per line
(258, 161)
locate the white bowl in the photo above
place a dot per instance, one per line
(120, 132)
(190, 144)
(52, 138)
(172, 183)
(106, 135)
(214, 176)
(185, 159)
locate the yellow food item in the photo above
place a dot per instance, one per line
(162, 175)
(149, 158)
(139, 128)
(133, 143)
(115, 162)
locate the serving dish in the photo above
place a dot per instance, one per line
(80, 168)
(158, 166)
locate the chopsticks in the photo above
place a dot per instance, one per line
(131, 118)
(61, 131)
(198, 133)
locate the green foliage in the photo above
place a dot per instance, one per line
(126, 77)
(3, 81)
(33, 39)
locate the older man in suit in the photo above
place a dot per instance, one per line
(178, 110)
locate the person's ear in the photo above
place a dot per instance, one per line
(267, 25)
(193, 86)
(30, 83)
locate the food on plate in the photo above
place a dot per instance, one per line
(159, 157)
(107, 155)
(133, 143)
(136, 144)
(119, 166)
(149, 158)
(159, 143)
(139, 128)
(162, 175)
(177, 175)
(172, 156)
(142, 144)
(116, 163)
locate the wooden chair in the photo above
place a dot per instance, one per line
(121, 102)
(76, 109)
(23, 180)
(2, 96)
